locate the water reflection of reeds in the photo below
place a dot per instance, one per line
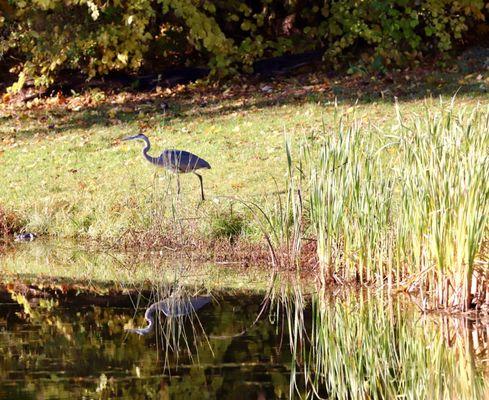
(370, 346)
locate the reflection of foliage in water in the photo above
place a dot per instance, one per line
(38, 359)
(71, 263)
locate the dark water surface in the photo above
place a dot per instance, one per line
(65, 336)
(80, 352)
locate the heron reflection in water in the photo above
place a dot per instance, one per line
(171, 307)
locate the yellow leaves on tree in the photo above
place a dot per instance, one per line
(99, 36)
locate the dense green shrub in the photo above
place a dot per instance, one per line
(98, 36)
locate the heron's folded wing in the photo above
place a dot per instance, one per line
(183, 161)
(181, 307)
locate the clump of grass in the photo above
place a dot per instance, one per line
(445, 202)
(350, 203)
(227, 225)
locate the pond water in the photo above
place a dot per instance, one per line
(84, 351)
(67, 340)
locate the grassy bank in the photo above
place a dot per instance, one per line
(376, 192)
(66, 173)
(78, 179)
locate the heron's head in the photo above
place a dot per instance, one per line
(138, 136)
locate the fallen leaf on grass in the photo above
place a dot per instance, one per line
(112, 112)
(61, 99)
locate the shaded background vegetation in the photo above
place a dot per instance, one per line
(41, 38)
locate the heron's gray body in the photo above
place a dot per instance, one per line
(178, 161)
(171, 307)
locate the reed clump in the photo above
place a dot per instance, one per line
(406, 208)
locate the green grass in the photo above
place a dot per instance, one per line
(78, 179)
(227, 225)
(82, 181)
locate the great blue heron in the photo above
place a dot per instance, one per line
(178, 161)
(171, 307)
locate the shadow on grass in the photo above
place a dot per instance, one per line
(469, 80)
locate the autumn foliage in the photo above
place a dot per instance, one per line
(40, 38)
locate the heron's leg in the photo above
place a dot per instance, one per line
(178, 184)
(201, 185)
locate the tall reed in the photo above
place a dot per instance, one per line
(408, 208)
(445, 202)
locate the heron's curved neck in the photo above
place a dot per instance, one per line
(149, 317)
(152, 160)
(150, 326)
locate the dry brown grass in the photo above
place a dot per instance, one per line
(199, 247)
(9, 223)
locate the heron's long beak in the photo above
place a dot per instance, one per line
(131, 137)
